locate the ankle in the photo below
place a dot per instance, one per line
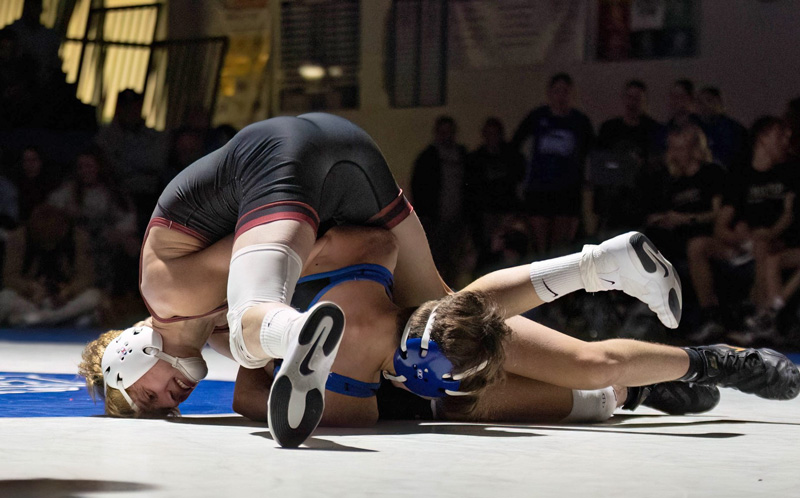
(277, 330)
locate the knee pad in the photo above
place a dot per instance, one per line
(260, 273)
(592, 406)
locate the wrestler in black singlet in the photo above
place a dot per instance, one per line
(317, 168)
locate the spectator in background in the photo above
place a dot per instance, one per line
(727, 138)
(792, 117)
(18, 102)
(493, 172)
(437, 186)
(628, 141)
(9, 203)
(757, 211)
(682, 105)
(34, 180)
(136, 153)
(683, 197)
(188, 145)
(96, 206)
(48, 272)
(555, 140)
(219, 136)
(38, 43)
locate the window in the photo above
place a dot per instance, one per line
(320, 54)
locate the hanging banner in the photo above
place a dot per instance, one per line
(647, 29)
(504, 33)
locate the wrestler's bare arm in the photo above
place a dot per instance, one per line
(511, 288)
(416, 279)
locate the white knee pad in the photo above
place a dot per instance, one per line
(260, 273)
(592, 406)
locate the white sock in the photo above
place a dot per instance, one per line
(592, 406)
(553, 278)
(277, 331)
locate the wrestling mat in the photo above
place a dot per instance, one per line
(54, 442)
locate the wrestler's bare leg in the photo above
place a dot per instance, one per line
(519, 399)
(267, 261)
(541, 353)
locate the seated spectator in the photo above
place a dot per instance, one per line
(493, 172)
(136, 153)
(682, 198)
(555, 140)
(437, 186)
(9, 202)
(757, 211)
(94, 203)
(625, 145)
(34, 180)
(48, 273)
(727, 138)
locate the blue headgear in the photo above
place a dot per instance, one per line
(424, 369)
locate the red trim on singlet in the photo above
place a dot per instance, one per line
(163, 222)
(283, 215)
(389, 207)
(284, 203)
(172, 225)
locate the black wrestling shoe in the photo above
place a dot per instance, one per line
(297, 397)
(763, 372)
(674, 398)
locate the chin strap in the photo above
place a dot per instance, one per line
(194, 368)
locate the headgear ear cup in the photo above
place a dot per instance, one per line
(424, 369)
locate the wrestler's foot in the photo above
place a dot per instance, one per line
(632, 264)
(297, 397)
(675, 398)
(763, 372)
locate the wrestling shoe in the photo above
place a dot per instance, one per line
(674, 398)
(297, 397)
(763, 372)
(632, 264)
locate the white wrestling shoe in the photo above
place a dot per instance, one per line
(297, 397)
(632, 264)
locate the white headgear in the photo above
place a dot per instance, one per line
(134, 352)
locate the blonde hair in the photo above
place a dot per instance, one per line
(699, 143)
(91, 368)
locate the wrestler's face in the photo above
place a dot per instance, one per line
(162, 387)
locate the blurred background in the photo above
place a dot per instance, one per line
(520, 129)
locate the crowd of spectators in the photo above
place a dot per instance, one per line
(717, 198)
(75, 197)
